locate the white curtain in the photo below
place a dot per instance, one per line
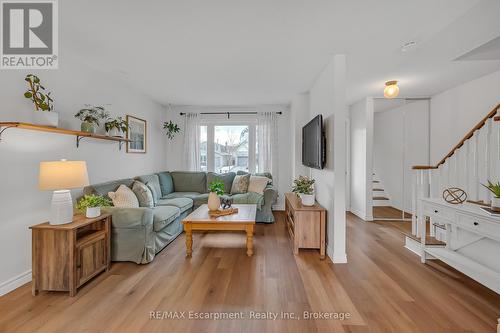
(192, 142)
(267, 143)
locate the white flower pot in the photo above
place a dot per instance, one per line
(92, 212)
(495, 204)
(115, 132)
(46, 118)
(307, 199)
(213, 201)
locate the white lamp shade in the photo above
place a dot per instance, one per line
(62, 175)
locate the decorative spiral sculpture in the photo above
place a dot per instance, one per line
(454, 195)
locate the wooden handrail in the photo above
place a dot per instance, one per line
(491, 114)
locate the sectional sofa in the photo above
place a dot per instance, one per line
(139, 233)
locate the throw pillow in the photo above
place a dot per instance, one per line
(154, 192)
(143, 194)
(166, 183)
(257, 184)
(226, 178)
(124, 198)
(240, 184)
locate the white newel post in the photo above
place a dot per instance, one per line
(414, 180)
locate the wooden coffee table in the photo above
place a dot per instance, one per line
(199, 220)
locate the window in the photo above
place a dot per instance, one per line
(228, 147)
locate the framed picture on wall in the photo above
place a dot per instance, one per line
(137, 132)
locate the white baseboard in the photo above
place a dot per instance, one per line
(362, 215)
(15, 282)
(336, 259)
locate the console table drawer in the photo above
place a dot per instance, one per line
(439, 212)
(479, 225)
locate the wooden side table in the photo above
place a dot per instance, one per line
(66, 256)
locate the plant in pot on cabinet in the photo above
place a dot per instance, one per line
(90, 117)
(495, 200)
(92, 204)
(44, 104)
(216, 189)
(304, 188)
(116, 127)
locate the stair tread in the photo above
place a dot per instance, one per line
(380, 198)
(378, 189)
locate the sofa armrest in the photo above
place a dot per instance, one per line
(131, 218)
(270, 196)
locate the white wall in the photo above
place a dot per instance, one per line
(456, 111)
(21, 203)
(401, 140)
(175, 150)
(361, 155)
(327, 97)
(299, 116)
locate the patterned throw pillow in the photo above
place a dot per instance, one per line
(240, 184)
(257, 184)
(124, 198)
(144, 194)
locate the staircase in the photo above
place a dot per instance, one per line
(380, 196)
(472, 162)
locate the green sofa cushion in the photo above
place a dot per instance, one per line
(163, 216)
(189, 181)
(199, 199)
(104, 188)
(182, 203)
(226, 178)
(153, 182)
(166, 183)
(181, 195)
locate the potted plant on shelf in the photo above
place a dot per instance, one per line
(92, 204)
(171, 128)
(495, 200)
(44, 104)
(116, 127)
(216, 189)
(90, 116)
(304, 188)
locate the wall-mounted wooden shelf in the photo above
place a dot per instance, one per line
(78, 134)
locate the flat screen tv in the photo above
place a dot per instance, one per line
(313, 144)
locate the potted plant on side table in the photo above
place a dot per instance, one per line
(116, 127)
(43, 102)
(216, 189)
(92, 204)
(304, 188)
(495, 200)
(90, 116)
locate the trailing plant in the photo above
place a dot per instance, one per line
(493, 188)
(36, 93)
(217, 187)
(92, 114)
(118, 123)
(91, 201)
(171, 128)
(303, 185)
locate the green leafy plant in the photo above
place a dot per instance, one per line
(36, 93)
(303, 185)
(171, 128)
(92, 114)
(90, 201)
(118, 123)
(493, 188)
(217, 187)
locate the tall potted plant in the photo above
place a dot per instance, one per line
(495, 200)
(304, 188)
(92, 204)
(43, 102)
(216, 189)
(116, 127)
(90, 117)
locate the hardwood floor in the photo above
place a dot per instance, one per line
(389, 212)
(383, 287)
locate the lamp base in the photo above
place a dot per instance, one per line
(61, 209)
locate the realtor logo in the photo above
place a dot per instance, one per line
(29, 38)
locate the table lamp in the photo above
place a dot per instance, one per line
(61, 176)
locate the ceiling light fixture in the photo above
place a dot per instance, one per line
(391, 89)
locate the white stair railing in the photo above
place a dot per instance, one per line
(472, 162)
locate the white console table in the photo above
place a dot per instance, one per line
(472, 239)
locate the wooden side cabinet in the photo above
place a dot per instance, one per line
(66, 256)
(306, 224)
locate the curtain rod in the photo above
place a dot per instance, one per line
(229, 113)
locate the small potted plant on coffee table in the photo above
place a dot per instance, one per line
(116, 127)
(92, 204)
(216, 189)
(304, 188)
(90, 116)
(495, 200)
